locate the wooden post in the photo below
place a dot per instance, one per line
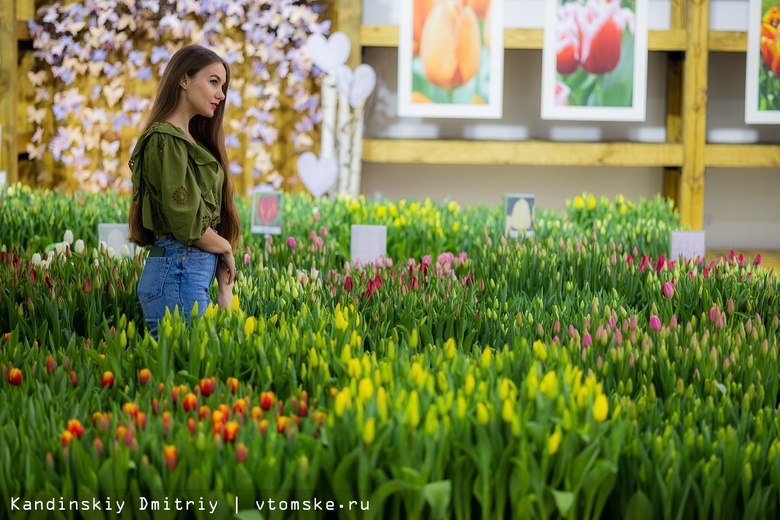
(9, 50)
(674, 88)
(694, 116)
(349, 15)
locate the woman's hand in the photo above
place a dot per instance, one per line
(225, 282)
(226, 269)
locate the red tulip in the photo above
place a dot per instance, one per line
(15, 376)
(143, 375)
(267, 400)
(601, 25)
(207, 386)
(74, 379)
(190, 402)
(230, 431)
(240, 453)
(107, 380)
(50, 365)
(74, 426)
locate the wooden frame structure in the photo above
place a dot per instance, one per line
(683, 157)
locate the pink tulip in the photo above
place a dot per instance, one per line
(668, 289)
(655, 323)
(714, 314)
(587, 340)
(291, 242)
(247, 258)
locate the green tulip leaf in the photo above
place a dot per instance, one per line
(438, 496)
(639, 507)
(564, 500)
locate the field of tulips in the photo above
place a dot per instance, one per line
(577, 374)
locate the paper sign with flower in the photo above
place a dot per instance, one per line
(762, 80)
(267, 210)
(595, 60)
(451, 58)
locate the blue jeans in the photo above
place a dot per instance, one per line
(178, 279)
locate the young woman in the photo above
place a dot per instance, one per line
(182, 195)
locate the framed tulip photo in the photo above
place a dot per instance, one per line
(762, 80)
(451, 58)
(594, 61)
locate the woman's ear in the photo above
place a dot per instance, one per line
(184, 82)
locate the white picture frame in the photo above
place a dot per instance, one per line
(583, 93)
(423, 92)
(757, 75)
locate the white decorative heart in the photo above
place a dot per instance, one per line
(328, 53)
(363, 83)
(317, 174)
(343, 79)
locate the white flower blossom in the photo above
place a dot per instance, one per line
(36, 259)
(78, 247)
(68, 237)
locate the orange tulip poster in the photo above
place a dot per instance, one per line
(595, 60)
(762, 84)
(451, 58)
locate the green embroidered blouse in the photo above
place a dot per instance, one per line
(177, 184)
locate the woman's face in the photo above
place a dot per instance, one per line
(203, 92)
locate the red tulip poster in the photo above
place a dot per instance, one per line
(267, 211)
(451, 58)
(595, 60)
(762, 85)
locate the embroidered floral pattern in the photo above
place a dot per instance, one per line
(180, 196)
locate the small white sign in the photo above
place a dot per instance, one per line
(688, 244)
(267, 210)
(2, 178)
(519, 213)
(367, 243)
(115, 236)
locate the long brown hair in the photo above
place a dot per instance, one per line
(207, 131)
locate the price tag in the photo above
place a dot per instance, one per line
(267, 210)
(688, 244)
(367, 243)
(519, 213)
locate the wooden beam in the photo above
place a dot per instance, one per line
(349, 14)
(694, 129)
(21, 142)
(727, 41)
(22, 31)
(674, 88)
(387, 36)
(537, 153)
(742, 155)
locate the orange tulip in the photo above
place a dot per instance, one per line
(450, 45)
(770, 49)
(170, 454)
(241, 452)
(66, 437)
(480, 7)
(421, 10)
(772, 16)
(143, 375)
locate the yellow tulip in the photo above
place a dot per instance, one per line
(450, 45)
(483, 417)
(369, 430)
(554, 442)
(249, 326)
(600, 408)
(365, 389)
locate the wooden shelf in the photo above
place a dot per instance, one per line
(742, 155)
(536, 153)
(387, 36)
(727, 41)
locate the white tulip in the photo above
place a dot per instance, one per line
(111, 252)
(125, 251)
(78, 247)
(60, 247)
(68, 238)
(36, 259)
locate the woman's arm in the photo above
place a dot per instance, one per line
(213, 243)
